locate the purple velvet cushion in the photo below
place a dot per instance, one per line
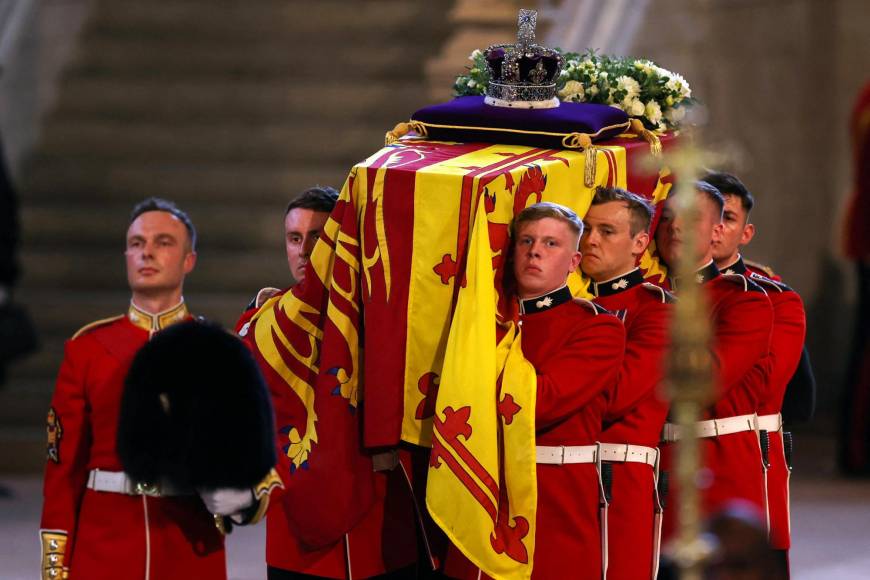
(468, 119)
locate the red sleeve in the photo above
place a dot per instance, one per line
(741, 337)
(787, 341)
(643, 365)
(246, 317)
(66, 470)
(584, 367)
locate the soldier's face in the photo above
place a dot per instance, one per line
(302, 229)
(608, 247)
(158, 254)
(545, 252)
(736, 232)
(673, 235)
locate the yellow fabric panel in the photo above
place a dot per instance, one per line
(463, 493)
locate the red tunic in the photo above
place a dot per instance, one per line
(112, 535)
(576, 350)
(635, 416)
(786, 344)
(383, 541)
(742, 318)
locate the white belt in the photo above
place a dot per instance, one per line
(714, 427)
(120, 482)
(770, 423)
(566, 454)
(625, 453)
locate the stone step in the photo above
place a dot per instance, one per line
(326, 21)
(91, 268)
(261, 58)
(53, 179)
(228, 101)
(240, 225)
(227, 141)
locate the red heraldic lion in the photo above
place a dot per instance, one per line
(336, 516)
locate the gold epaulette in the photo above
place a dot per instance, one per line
(766, 269)
(95, 324)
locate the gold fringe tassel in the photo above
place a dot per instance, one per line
(655, 144)
(403, 129)
(583, 141)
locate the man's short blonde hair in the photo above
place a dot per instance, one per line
(546, 209)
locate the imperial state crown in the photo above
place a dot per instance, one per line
(524, 74)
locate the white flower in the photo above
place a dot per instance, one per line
(679, 85)
(573, 91)
(471, 83)
(636, 108)
(592, 90)
(564, 73)
(629, 85)
(573, 63)
(474, 54)
(653, 112)
(675, 115)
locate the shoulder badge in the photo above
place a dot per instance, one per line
(741, 280)
(95, 324)
(54, 431)
(594, 307)
(665, 296)
(767, 282)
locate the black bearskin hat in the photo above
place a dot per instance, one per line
(196, 411)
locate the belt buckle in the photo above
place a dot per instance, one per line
(561, 455)
(149, 489)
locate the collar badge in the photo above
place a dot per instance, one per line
(620, 285)
(545, 302)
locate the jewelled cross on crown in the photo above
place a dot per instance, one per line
(527, 21)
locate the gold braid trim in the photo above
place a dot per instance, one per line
(655, 144)
(53, 552)
(622, 126)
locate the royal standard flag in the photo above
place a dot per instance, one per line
(482, 484)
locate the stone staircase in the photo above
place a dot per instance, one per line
(228, 108)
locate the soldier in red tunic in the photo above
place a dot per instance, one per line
(383, 544)
(786, 346)
(742, 320)
(576, 348)
(304, 219)
(97, 522)
(615, 235)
